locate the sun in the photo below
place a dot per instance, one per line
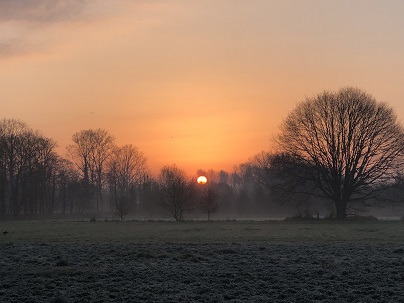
(202, 180)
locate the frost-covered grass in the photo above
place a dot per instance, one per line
(201, 232)
(202, 262)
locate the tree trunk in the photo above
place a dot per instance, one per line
(3, 208)
(340, 207)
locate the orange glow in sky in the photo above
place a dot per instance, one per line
(202, 84)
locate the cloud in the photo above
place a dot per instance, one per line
(29, 27)
(23, 23)
(32, 26)
(41, 11)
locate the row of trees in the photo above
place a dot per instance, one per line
(34, 179)
(101, 164)
(27, 169)
(342, 147)
(180, 195)
(97, 176)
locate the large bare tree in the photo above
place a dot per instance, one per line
(346, 144)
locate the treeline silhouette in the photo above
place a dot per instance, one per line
(338, 154)
(99, 178)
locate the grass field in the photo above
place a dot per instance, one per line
(219, 261)
(37, 232)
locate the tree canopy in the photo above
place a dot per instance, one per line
(176, 191)
(346, 144)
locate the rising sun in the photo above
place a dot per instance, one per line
(202, 180)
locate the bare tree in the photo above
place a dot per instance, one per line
(80, 153)
(90, 151)
(103, 144)
(211, 175)
(67, 185)
(44, 171)
(396, 192)
(260, 166)
(346, 143)
(126, 171)
(176, 191)
(208, 203)
(285, 178)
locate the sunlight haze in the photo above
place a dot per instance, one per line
(203, 84)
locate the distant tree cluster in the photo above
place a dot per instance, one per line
(35, 180)
(29, 170)
(232, 194)
(336, 152)
(99, 178)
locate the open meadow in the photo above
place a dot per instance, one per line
(199, 261)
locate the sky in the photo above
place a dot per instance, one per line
(200, 84)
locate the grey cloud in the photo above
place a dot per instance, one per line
(41, 11)
(23, 20)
